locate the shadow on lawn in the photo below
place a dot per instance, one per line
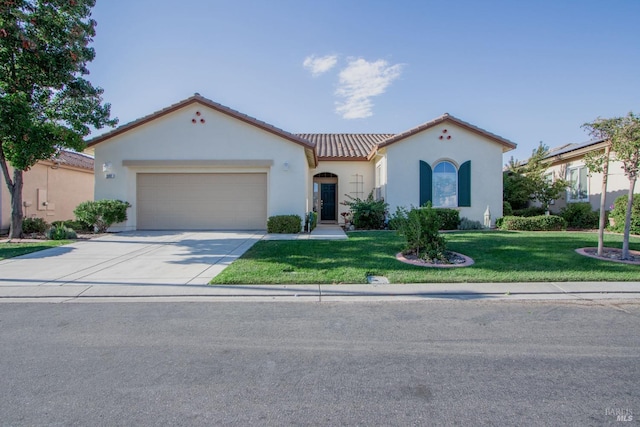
(492, 251)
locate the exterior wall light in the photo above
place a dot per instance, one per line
(107, 169)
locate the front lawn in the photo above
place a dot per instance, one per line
(10, 250)
(499, 256)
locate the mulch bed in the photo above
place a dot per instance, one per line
(455, 260)
(611, 254)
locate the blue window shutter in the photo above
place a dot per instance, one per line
(426, 183)
(464, 184)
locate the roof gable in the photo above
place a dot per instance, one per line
(446, 117)
(197, 98)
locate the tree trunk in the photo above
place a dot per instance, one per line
(603, 200)
(15, 231)
(627, 220)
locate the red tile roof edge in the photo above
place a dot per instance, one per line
(447, 117)
(197, 98)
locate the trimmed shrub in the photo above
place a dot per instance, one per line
(619, 213)
(531, 211)
(533, 223)
(60, 232)
(506, 209)
(420, 228)
(449, 218)
(101, 214)
(34, 225)
(284, 224)
(368, 214)
(468, 224)
(580, 215)
(499, 222)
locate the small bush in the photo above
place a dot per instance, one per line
(77, 226)
(396, 219)
(368, 214)
(619, 213)
(449, 218)
(580, 215)
(499, 222)
(420, 228)
(312, 221)
(284, 224)
(60, 232)
(101, 214)
(527, 212)
(468, 224)
(34, 225)
(533, 223)
(506, 209)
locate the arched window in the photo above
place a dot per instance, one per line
(445, 185)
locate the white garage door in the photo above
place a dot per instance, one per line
(202, 201)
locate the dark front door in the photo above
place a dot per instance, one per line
(327, 202)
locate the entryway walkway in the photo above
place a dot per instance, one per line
(321, 232)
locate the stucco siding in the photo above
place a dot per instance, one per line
(62, 188)
(617, 184)
(403, 173)
(176, 138)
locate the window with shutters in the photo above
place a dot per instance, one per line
(445, 185)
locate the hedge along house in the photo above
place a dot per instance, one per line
(200, 165)
(567, 161)
(52, 188)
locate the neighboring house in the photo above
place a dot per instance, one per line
(52, 188)
(200, 165)
(567, 161)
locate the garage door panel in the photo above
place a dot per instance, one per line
(201, 201)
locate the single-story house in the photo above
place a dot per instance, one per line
(200, 165)
(52, 188)
(567, 161)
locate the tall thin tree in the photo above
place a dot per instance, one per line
(598, 161)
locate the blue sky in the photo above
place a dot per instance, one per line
(529, 71)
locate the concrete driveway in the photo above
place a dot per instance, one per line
(132, 258)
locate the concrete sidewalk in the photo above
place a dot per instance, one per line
(574, 291)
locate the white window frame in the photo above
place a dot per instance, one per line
(585, 185)
(453, 203)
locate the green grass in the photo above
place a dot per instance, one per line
(10, 250)
(499, 257)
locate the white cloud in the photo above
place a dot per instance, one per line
(319, 64)
(359, 82)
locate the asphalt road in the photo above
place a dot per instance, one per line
(410, 363)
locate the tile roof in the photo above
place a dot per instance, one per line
(73, 159)
(344, 146)
(326, 146)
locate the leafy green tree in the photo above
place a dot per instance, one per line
(623, 134)
(598, 161)
(516, 186)
(45, 103)
(531, 179)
